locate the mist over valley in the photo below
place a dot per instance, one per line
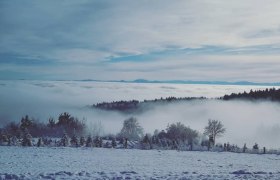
(245, 121)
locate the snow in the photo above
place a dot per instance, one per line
(101, 163)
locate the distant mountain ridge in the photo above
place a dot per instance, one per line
(190, 82)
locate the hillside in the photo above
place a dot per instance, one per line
(135, 105)
(267, 94)
(138, 106)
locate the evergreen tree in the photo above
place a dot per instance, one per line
(74, 141)
(27, 138)
(114, 143)
(96, 141)
(256, 146)
(89, 141)
(100, 142)
(125, 143)
(146, 142)
(14, 141)
(244, 148)
(3, 139)
(65, 140)
(9, 141)
(39, 143)
(51, 123)
(82, 141)
(26, 122)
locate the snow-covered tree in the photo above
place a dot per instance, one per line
(27, 138)
(82, 141)
(125, 143)
(65, 140)
(3, 139)
(14, 141)
(180, 133)
(131, 129)
(256, 146)
(114, 143)
(100, 142)
(146, 142)
(89, 142)
(244, 148)
(74, 140)
(39, 143)
(97, 142)
(214, 129)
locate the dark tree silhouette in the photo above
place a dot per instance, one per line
(267, 94)
(25, 122)
(89, 142)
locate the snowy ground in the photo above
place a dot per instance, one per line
(100, 163)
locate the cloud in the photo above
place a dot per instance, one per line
(91, 34)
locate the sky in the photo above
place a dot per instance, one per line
(213, 40)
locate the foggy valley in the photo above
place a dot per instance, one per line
(246, 121)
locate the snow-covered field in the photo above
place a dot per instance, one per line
(100, 163)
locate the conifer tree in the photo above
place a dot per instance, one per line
(125, 143)
(82, 141)
(256, 146)
(100, 142)
(39, 143)
(3, 139)
(65, 140)
(96, 141)
(14, 141)
(89, 141)
(114, 143)
(244, 148)
(27, 138)
(74, 141)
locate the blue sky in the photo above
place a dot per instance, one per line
(157, 40)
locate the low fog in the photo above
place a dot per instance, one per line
(245, 121)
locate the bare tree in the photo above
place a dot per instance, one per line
(214, 129)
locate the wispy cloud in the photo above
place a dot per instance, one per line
(97, 38)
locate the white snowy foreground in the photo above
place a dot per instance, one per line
(100, 163)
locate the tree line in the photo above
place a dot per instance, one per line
(65, 123)
(134, 105)
(271, 94)
(70, 131)
(67, 127)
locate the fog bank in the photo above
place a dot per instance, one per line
(246, 122)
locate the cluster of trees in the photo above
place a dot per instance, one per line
(118, 105)
(69, 131)
(134, 105)
(176, 135)
(268, 94)
(53, 128)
